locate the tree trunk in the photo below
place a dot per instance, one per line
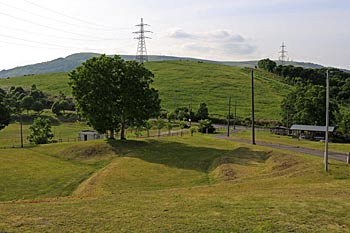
(122, 131)
(111, 136)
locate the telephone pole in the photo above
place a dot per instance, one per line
(228, 117)
(282, 53)
(253, 120)
(234, 119)
(141, 53)
(327, 124)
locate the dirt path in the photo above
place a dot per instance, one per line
(332, 155)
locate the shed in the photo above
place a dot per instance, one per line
(312, 132)
(279, 130)
(87, 135)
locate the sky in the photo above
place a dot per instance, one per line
(315, 31)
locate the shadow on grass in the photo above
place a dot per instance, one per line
(184, 156)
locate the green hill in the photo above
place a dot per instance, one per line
(179, 82)
(72, 61)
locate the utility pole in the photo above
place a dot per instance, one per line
(190, 111)
(234, 119)
(253, 120)
(141, 53)
(174, 109)
(21, 128)
(327, 123)
(283, 53)
(228, 117)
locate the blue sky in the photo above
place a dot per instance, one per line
(38, 30)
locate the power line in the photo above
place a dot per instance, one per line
(45, 26)
(100, 27)
(38, 42)
(41, 16)
(60, 37)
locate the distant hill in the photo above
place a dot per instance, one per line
(197, 85)
(72, 61)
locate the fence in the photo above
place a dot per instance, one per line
(16, 143)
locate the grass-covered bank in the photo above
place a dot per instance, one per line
(178, 184)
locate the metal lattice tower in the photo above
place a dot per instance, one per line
(141, 54)
(282, 53)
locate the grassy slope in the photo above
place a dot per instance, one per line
(204, 82)
(40, 172)
(265, 136)
(186, 184)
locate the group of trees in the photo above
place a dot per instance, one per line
(112, 93)
(339, 81)
(184, 113)
(305, 104)
(19, 98)
(15, 100)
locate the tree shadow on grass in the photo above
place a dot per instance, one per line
(184, 156)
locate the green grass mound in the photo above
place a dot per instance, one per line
(170, 184)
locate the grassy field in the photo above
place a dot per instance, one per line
(266, 136)
(10, 136)
(200, 82)
(170, 184)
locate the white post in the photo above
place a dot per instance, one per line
(348, 158)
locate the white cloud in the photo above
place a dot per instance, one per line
(221, 42)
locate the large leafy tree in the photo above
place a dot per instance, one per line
(5, 113)
(203, 112)
(112, 93)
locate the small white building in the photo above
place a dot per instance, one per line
(87, 135)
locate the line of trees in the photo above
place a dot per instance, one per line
(305, 104)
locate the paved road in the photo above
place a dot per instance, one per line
(332, 155)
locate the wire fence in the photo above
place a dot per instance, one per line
(16, 143)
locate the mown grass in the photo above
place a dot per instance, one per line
(266, 136)
(186, 184)
(11, 137)
(40, 172)
(200, 82)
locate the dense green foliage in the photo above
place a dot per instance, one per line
(5, 113)
(112, 93)
(203, 112)
(267, 64)
(40, 131)
(306, 105)
(205, 126)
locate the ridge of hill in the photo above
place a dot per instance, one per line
(72, 61)
(189, 83)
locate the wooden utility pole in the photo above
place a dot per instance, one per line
(327, 123)
(253, 120)
(228, 117)
(234, 119)
(21, 128)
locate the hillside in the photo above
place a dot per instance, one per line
(170, 184)
(179, 82)
(71, 62)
